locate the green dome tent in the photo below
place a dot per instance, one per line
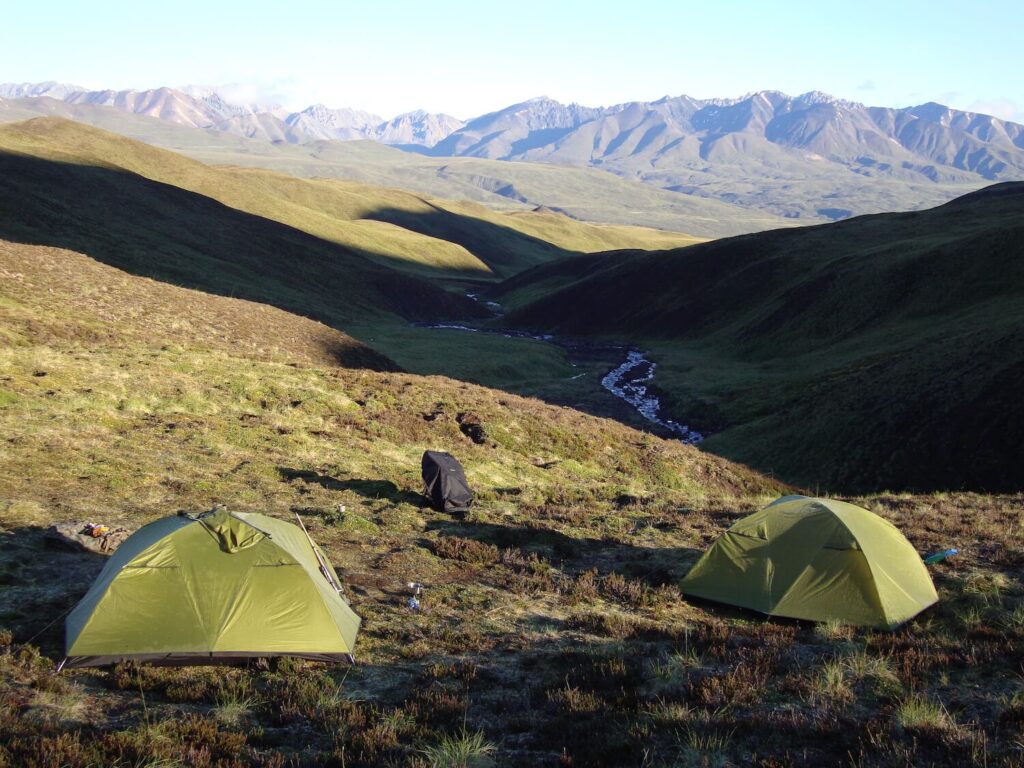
(217, 588)
(815, 559)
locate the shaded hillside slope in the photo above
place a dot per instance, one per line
(564, 575)
(171, 234)
(885, 351)
(397, 228)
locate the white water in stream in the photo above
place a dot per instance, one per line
(628, 383)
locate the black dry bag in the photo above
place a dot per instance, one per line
(444, 483)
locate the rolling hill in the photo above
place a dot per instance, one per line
(72, 187)
(61, 299)
(880, 352)
(384, 230)
(585, 194)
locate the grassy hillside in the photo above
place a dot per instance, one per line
(396, 228)
(586, 194)
(552, 630)
(881, 352)
(62, 298)
(248, 233)
(73, 187)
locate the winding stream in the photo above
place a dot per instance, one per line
(629, 382)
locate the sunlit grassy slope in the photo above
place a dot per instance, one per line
(586, 194)
(884, 351)
(397, 228)
(552, 623)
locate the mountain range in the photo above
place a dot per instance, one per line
(811, 157)
(207, 108)
(931, 140)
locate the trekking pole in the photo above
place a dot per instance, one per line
(319, 558)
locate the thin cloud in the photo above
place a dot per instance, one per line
(1004, 109)
(867, 85)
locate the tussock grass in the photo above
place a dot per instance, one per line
(460, 750)
(918, 711)
(235, 703)
(707, 749)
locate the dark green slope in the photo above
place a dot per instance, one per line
(883, 351)
(164, 232)
(802, 286)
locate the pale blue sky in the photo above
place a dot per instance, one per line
(466, 58)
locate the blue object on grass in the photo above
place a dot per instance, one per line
(938, 557)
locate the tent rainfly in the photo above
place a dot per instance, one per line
(214, 589)
(444, 482)
(815, 559)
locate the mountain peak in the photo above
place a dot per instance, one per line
(820, 97)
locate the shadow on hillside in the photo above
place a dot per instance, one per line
(173, 235)
(504, 249)
(39, 585)
(369, 489)
(654, 565)
(157, 230)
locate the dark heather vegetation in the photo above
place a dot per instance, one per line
(552, 632)
(885, 351)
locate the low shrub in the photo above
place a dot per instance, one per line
(466, 550)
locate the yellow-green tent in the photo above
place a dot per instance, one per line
(217, 588)
(815, 559)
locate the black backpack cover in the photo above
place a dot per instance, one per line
(444, 482)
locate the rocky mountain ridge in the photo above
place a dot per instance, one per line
(810, 157)
(208, 108)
